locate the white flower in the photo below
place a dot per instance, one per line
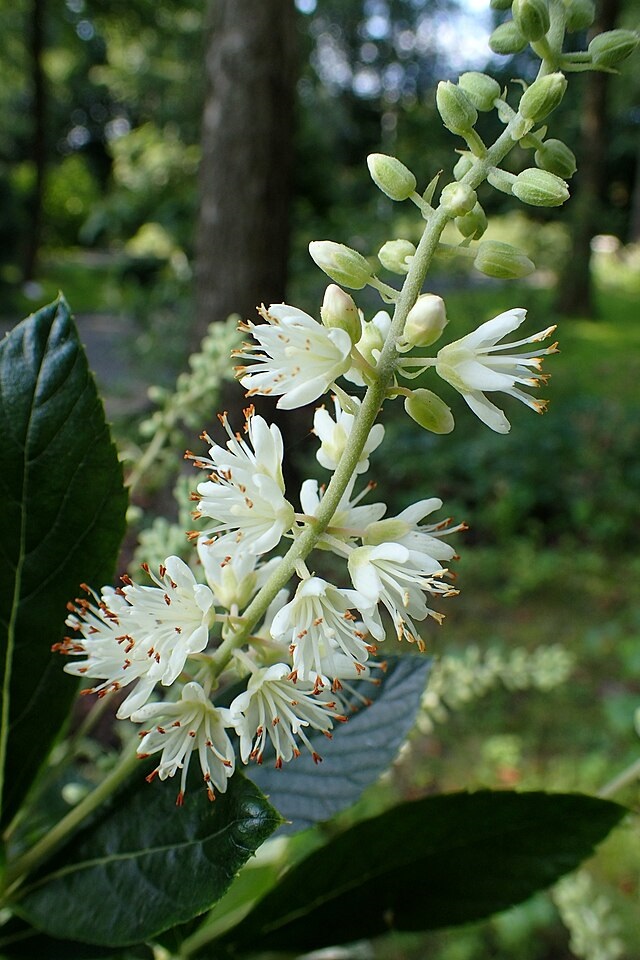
(179, 729)
(318, 625)
(334, 436)
(397, 577)
(274, 708)
(233, 571)
(296, 358)
(405, 529)
(370, 344)
(349, 521)
(245, 492)
(475, 365)
(139, 633)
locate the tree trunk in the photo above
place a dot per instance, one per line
(38, 146)
(245, 174)
(575, 288)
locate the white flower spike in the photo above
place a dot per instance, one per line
(477, 364)
(296, 359)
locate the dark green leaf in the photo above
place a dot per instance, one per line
(359, 752)
(147, 866)
(62, 508)
(433, 863)
(19, 941)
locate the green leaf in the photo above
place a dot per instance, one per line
(62, 516)
(19, 941)
(147, 865)
(433, 863)
(360, 751)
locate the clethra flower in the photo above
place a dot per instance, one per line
(397, 577)
(319, 626)
(477, 364)
(245, 492)
(233, 571)
(334, 436)
(276, 709)
(139, 633)
(297, 359)
(406, 530)
(193, 723)
(349, 520)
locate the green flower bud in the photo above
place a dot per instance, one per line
(481, 89)
(396, 255)
(457, 112)
(429, 411)
(339, 310)
(542, 97)
(425, 321)
(540, 188)
(344, 265)
(580, 14)
(507, 39)
(501, 260)
(531, 17)
(391, 176)
(556, 157)
(473, 224)
(463, 165)
(613, 46)
(457, 199)
(499, 4)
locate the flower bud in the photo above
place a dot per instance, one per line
(425, 321)
(499, 4)
(473, 224)
(344, 265)
(463, 165)
(396, 255)
(501, 260)
(542, 96)
(540, 188)
(457, 112)
(391, 176)
(481, 89)
(613, 46)
(580, 14)
(457, 199)
(507, 39)
(339, 310)
(556, 157)
(429, 411)
(531, 17)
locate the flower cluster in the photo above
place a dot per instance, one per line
(301, 625)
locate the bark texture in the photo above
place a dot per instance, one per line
(245, 175)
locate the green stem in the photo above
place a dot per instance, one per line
(623, 779)
(43, 849)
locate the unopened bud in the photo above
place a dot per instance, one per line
(473, 224)
(429, 411)
(344, 265)
(501, 260)
(580, 14)
(374, 334)
(481, 89)
(507, 39)
(391, 176)
(463, 165)
(457, 112)
(613, 46)
(457, 199)
(540, 188)
(542, 96)
(531, 17)
(396, 255)
(425, 321)
(339, 310)
(556, 157)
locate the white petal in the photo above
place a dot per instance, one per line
(487, 412)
